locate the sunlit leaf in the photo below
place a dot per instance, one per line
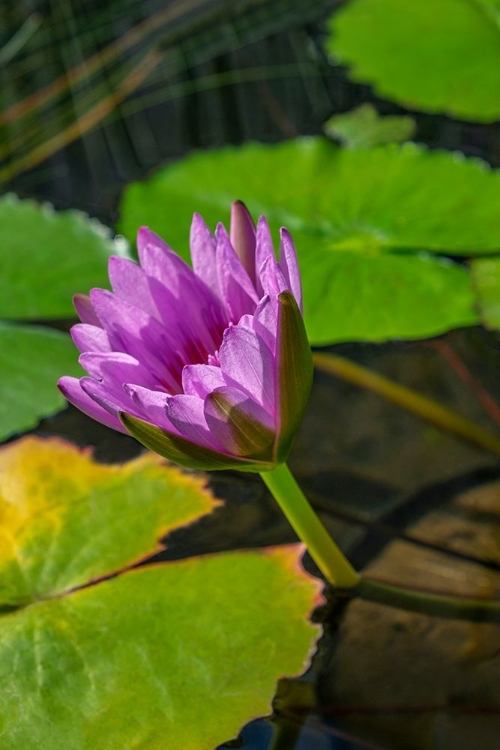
(364, 127)
(172, 655)
(486, 279)
(48, 256)
(32, 359)
(365, 222)
(435, 55)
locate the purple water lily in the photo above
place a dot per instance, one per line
(210, 366)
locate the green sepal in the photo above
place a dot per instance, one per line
(181, 451)
(252, 439)
(294, 375)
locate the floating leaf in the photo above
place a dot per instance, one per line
(48, 256)
(435, 55)
(360, 219)
(128, 661)
(32, 358)
(364, 127)
(486, 279)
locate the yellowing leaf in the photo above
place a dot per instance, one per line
(177, 655)
(65, 520)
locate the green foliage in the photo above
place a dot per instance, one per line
(32, 358)
(45, 258)
(435, 55)
(172, 655)
(368, 225)
(364, 127)
(486, 279)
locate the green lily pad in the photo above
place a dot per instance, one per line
(365, 223)
(127, 661)
(32, 358)
(439, 56)
(486, 279)
(48, 256)
(364, 127)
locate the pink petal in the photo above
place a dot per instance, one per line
(85, 310)
(150, 405)
(72, 391)
(111, 400)
(237, 289)
(272, 277)
(134, 332)
(264, 249)
(242, 235)
(238, 427)
(265, 321)
(290, 265)
(247, 363)
(130, 283)
(117, 368)
(187, 415)
(198, 380)
(90, 338)
(203, 246)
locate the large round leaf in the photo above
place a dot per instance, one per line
(32, 359)
(176, 655)
(361, 220)
(48, 256)
(436, 55)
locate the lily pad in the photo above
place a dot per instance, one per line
(32, 358)
(435, 55)
(367, 224)
(486, 278)
(121, 662)
(364, 127)
(48, 256)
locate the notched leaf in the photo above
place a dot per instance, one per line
(66, 520)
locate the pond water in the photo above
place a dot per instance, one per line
(409, 503)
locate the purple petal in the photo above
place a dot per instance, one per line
(112, 400)
(85, 310)
(290, 265)
(203, 246)
(248, 364)
(263, 250)
(187, 415)
(159, 261)
(198, 380)
(272, 277)
(117, 368)
(89, 338)
(146, 237)
(149, 404)
(240, 425)
(72, 391)
(134, 332)
(265, 321)
(237, 289)
(130, 283)
(242, 235)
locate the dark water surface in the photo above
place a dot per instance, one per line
(411, 504)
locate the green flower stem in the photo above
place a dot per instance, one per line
(439, 605)
(325, 553)
(339, 571)
(422, 407)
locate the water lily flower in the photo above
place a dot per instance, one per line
(209, 366)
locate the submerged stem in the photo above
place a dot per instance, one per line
(325, 553)
(440, 605)
(421, 406)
